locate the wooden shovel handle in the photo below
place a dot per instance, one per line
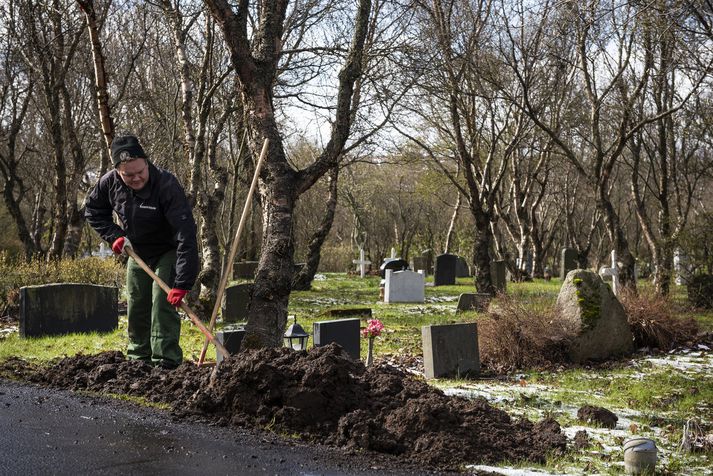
(184, 306)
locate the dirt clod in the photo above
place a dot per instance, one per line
(323, 396)
(597, 415)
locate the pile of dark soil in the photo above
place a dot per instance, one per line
(323, 396)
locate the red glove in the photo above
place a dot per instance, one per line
(119, 244)
(176, 296)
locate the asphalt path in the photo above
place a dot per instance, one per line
(48, 431)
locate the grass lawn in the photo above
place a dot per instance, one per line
(653, 395)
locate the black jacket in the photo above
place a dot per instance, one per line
(156, 219)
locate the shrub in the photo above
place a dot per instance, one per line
(518, 334)
(654, 323)
(16, 273)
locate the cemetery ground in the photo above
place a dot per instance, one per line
(653, 393)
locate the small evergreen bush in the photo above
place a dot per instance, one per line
(16, 273)
(700, 291)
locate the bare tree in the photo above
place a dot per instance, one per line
(256, 62)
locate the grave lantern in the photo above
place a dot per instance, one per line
(296, 337)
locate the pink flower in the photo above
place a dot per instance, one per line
(373, 328)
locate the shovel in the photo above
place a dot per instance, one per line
(129, 251)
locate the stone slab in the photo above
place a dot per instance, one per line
(345, 332)
(404, 286)
(245, 269)
(444, 273)
(568, 262)
(231, 340)
(462, 269)
(236, 302)
(64, 308)
(450, 350)
(498, 275)
(348, 312)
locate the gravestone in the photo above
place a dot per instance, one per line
(498, 275)
(348, 312)
(236, 302)
(473, 302)
(344, 332)
(404, 286)
(361, 263)
(104, 251)
(450, 350)
(231, 340)
(56, 309)
(462, 270)
(428, 255)
(245, 270)
(597, 319)
(611, 273)
(444, 273)
(419, 263)
(528, 263)
(568, 262)
(394, 264)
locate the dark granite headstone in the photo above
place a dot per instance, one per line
(462, 270)
(568, 262)
(236, 302)
(445, 271)
(245, 269)
(498, 275)
(450, 350)
(428, 256)
(397, 264)
(419, 263)
(231, 340)
(473, 302)
(344, 332)
(55, 309)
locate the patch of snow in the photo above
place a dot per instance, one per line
(509, 471)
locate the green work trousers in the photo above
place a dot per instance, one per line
(154, 324)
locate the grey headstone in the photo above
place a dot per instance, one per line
(498, 275)
(445, 271)
(344, 332)
(404, 286)
(462, 270)
(236, 302)
(568, 262)
(588, 306)
(419, 263)
(55, 309)
(450, 350)
(473, 302)
(245, 269)
(231, 340)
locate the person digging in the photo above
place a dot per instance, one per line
(157, 224)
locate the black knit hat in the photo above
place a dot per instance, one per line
(128, 144)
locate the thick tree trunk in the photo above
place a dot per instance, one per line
(273, 281)
(303, 279)
(481, 251)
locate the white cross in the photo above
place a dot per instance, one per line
(393, 253)
(103, 251)
(361, 262)
(613, 272)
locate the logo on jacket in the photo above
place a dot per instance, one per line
(147, 207)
